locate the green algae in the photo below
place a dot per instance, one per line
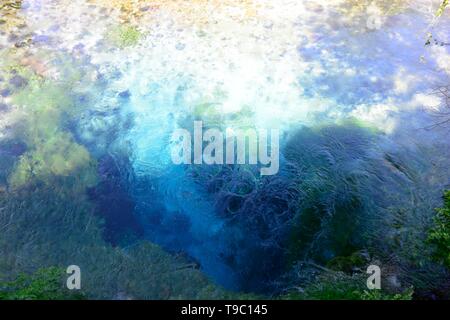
(44, 284)
(57, 156)
(209, 113)
(212, 115)
(350, 122)
(51, 151)
(124, 36)
(358, 123)
(338, 286)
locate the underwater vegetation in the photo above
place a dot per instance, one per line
(113, 201)
(51, 175)
(51, 151)
(124, 36)
(320, 208)
(91, 90)
(58, 156)
(338, 286)
(44, 284)
(69, 231)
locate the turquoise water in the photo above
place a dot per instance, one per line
(353, 103)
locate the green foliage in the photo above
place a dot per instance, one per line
(439, 234)
(348, 264)
(379, 295)
(124, 36)
(44, 284)
(338, 286)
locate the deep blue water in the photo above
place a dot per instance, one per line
(350, 103)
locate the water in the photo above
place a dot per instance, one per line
(142, 71)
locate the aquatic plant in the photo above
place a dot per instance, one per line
(57, 156)
(51, 151)
(339, 171)
(210, 110)
(311, 208)
(338, 286)
(124, 36)
(44, 284)
(349, 264)
(325, 166)
(345, 192)
(113, 201)
(320, 207)
(44, 226)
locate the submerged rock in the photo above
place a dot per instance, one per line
(13, 38)
(5, 92)
(20, 44)
(18, 81)
(42, 39)
(125, 94)
(4, 107)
